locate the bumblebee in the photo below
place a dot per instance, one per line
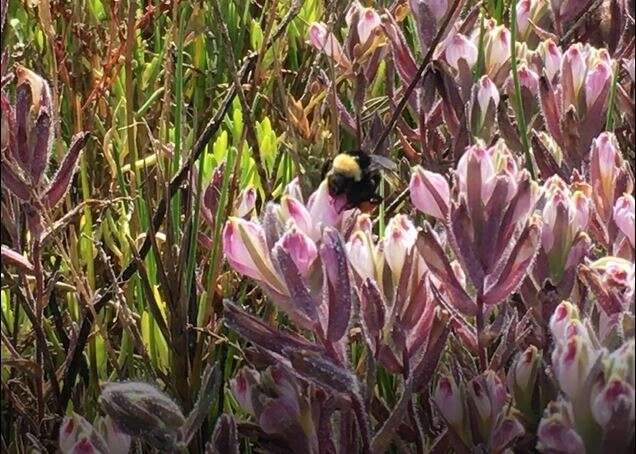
(356, 175)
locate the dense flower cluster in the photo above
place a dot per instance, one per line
(509, 298)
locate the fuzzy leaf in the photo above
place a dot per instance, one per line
(550, 109)
(11, 257)
(302, 305)
(324, 372)
(437, 260)
(261, 334)
(224, 438)
(62, 178)
(337, 283)
(43, 134)
(516, 267)
(12, 182)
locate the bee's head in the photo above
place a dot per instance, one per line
(347, 165)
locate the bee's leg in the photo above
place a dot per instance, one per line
(326, 166)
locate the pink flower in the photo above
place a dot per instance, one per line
(449, 400)
(460, 48)
(597, 82)
(117, 440)
(430, 192)
(552, 58)
(525, 368)
(399, 238)
(326, 42)
(624, 216)
(605, 167)
(572, 362)
(242, 385)
(368, 21)
(614, 395)
(497, 49)
(300, 247)
(574, 66)
(246, 251)
(529, 79)
(487, 93)
(293, 190)
(476, 165)
(556, 432)
(325, 210)
(523, 11)
(489, 396)
(292, 209)
(564, 214)
(361, 255)
(563, 314)
(247, 201)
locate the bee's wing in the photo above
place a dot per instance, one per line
(382, 163)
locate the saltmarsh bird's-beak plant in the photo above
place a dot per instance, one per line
(415, 289)
(485, 305)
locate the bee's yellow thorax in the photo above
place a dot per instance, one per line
(348, 166)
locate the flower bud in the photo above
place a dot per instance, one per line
(141, 410)
(293, 190)
(487, 93)
(574, 68)
(528, 79)
(597, 83)
(242, 386)
(361, 255)
(479, 397)
(525, 370)
(40, 91)
(211, 195)
(476, 165)
(324, 209)
(622, 362)
(246, 251)
(563, 314)
(292, 209)
(552, 57)
(523, 15)
(460, 48)
(368, 21)
(616, 398)
(85, 446)
(430, 193)
(624, 216)
(572, 362)
(449, 400)
(300, 247)
(497, 51)
(326, 42)
(565, 215)
(247, 201)
(556, 432)
(116, 439)
(605, 166)
(399, 238)
(488, 393)
(72, 430)
(363, 223)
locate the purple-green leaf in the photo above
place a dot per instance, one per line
(337, 284)
(62, 178)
